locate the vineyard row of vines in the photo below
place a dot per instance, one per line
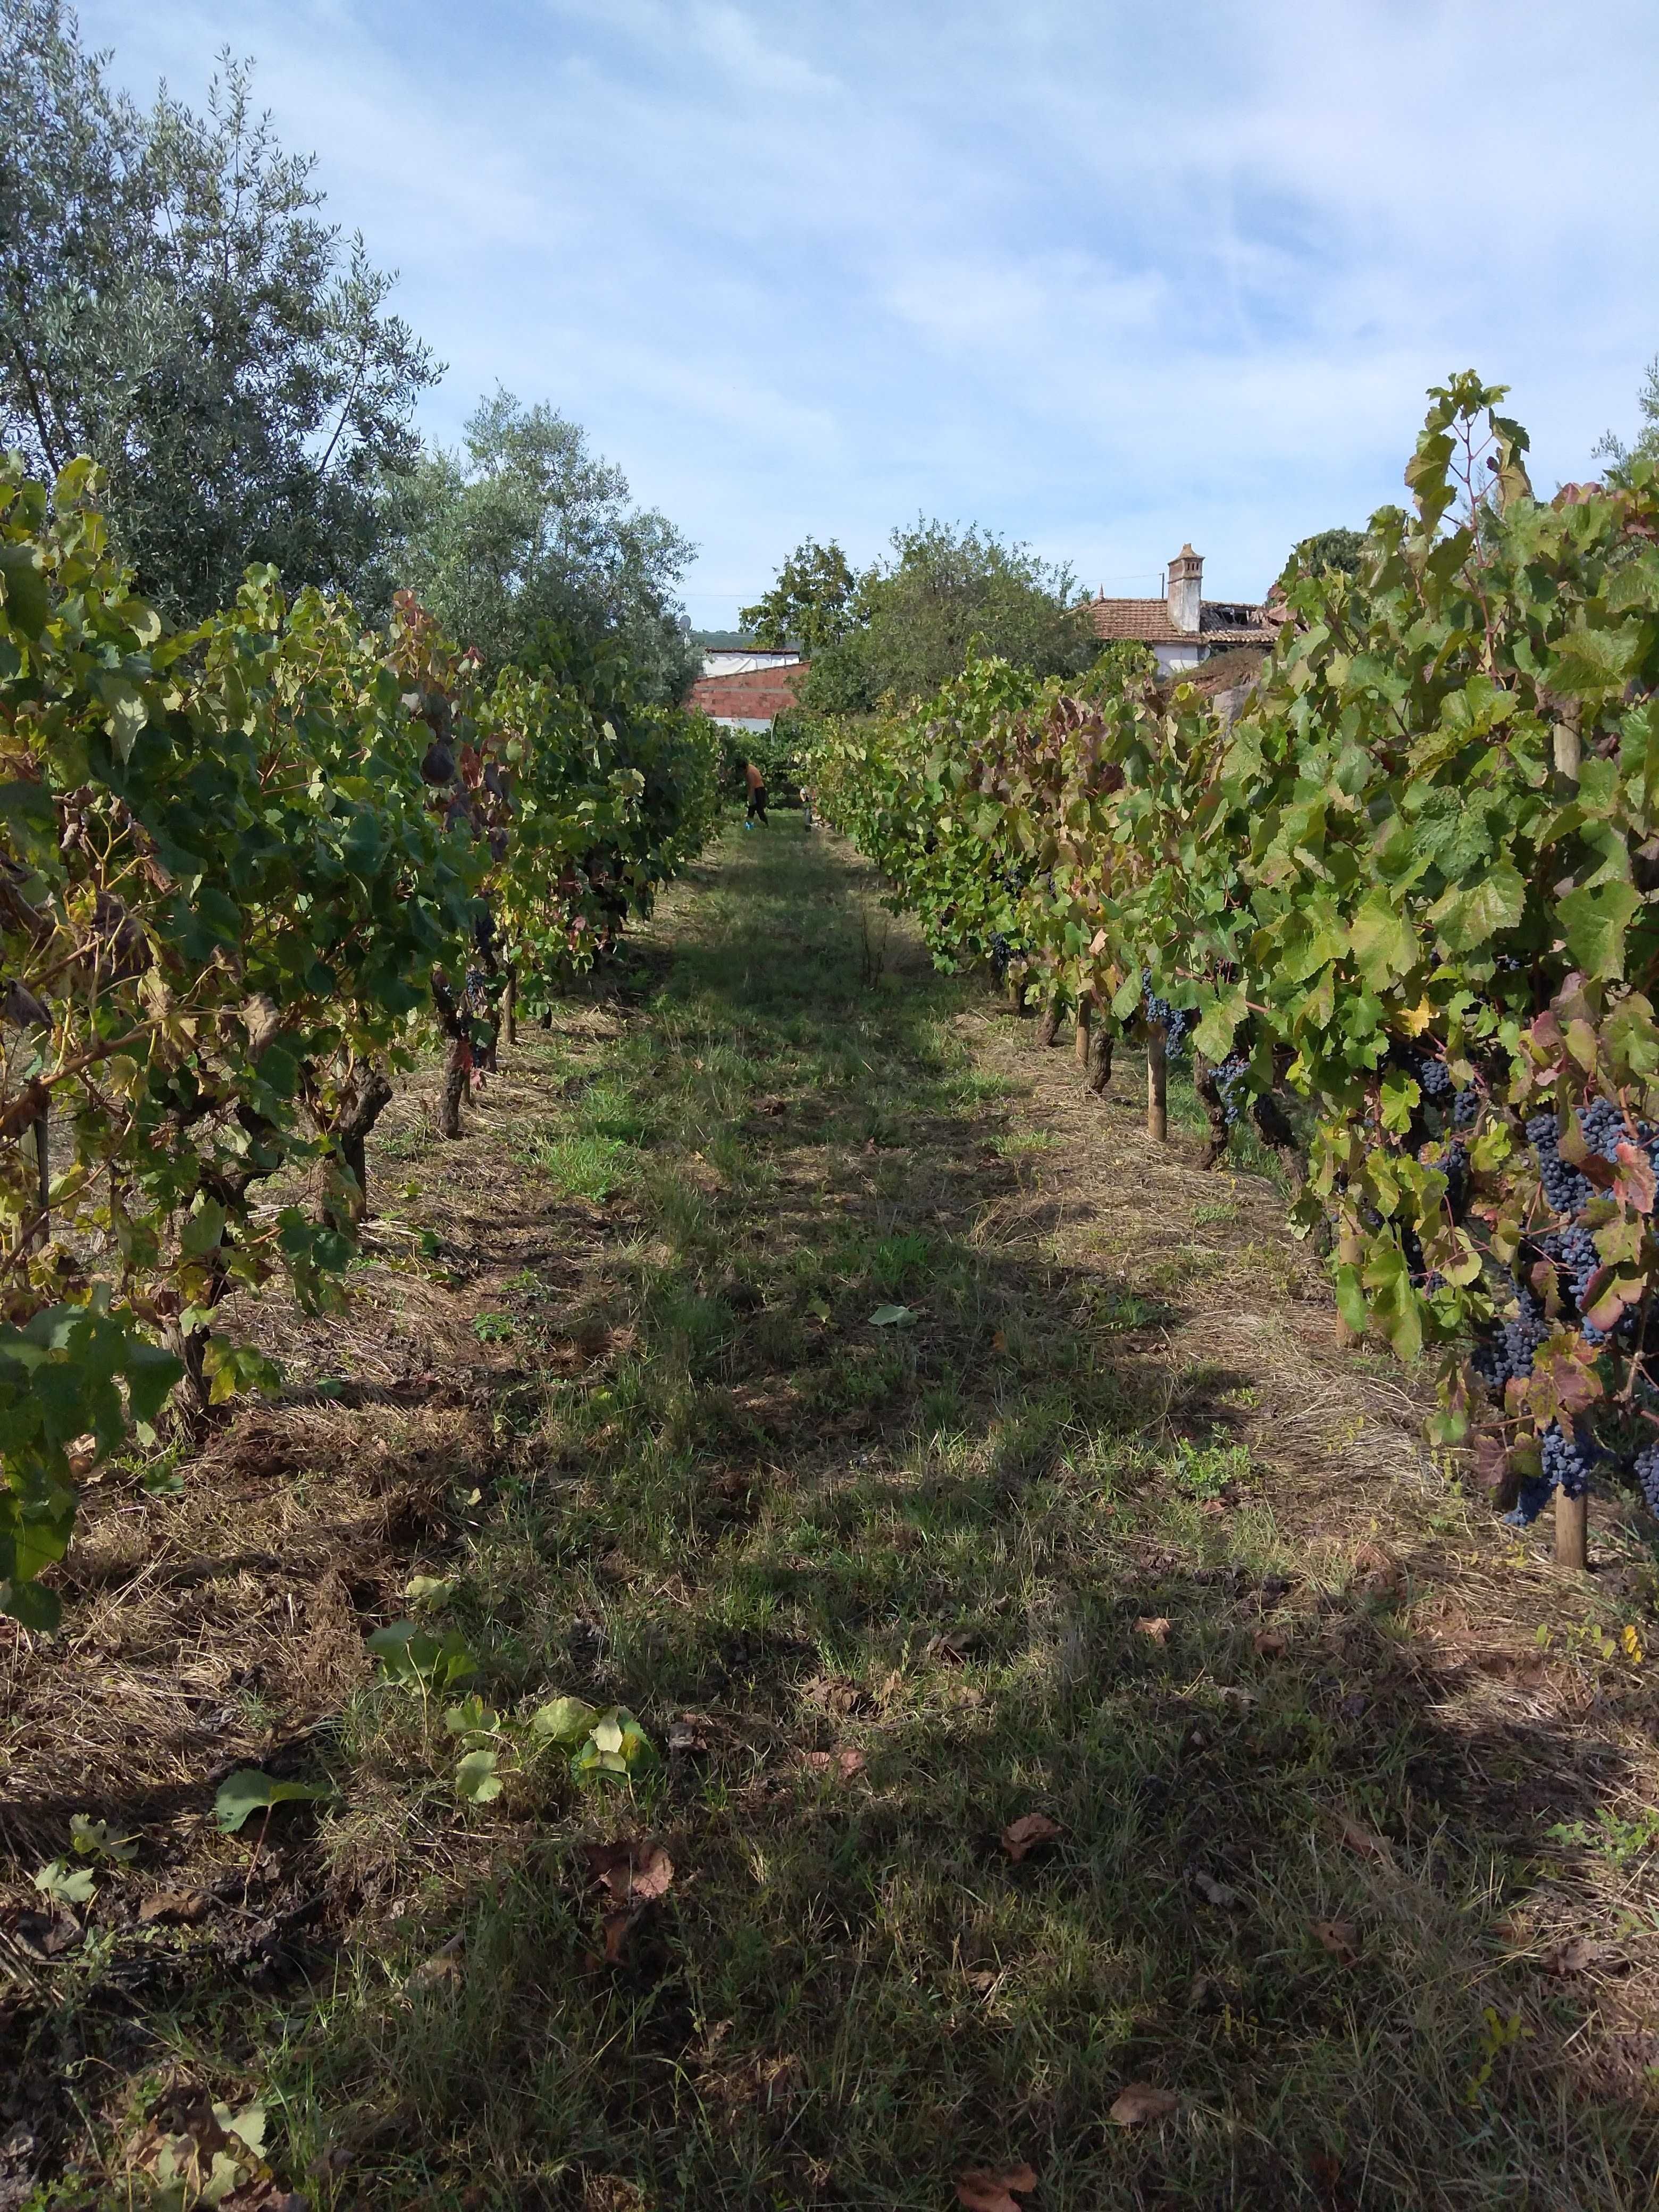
(1403, 904)
(248, 870)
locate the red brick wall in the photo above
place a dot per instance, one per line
(755, 694)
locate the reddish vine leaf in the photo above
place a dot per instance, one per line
(982, 2190)
(1025, 1834)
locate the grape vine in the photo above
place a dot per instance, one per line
(1411, 884)
(245, 868)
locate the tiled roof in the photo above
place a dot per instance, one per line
(1147, 621)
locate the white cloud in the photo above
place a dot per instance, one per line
(1103, 277)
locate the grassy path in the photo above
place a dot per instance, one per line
(1096, 1526)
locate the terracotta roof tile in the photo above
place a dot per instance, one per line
(1147, 621)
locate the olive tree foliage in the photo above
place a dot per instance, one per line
(524, 545)
(171, 304)
(1645, 446)
(1327, 552)
(943, 591)
(811, 603)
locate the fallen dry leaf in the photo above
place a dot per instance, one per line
(185, 1905)
(1153, 1625)
(955, 1645)
(634, 1869)
(1025, 1834)
(617, 1926)
(1583, 1956)
(1339, 1937)
(444, 1965)
(1214, 1507)
(999, 1340)
(1271, 1642)
(688, 1733)
(842, 1765)
(1142, 2100)
(775, 1105)
(1217, 1892)
(982, 2190)
(836, 1693)
(1381, 1574)
(1366, 1841)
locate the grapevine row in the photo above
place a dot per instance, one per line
(245, 870)
(1412, 884)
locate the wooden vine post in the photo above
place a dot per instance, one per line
(1158, 1083)
(1572, 1514)
(1350, 1252)
(1080, 1042)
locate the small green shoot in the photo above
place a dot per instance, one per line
(410, 1654)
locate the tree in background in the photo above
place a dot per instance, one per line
(524, 545)
(1326, 550)
(811, 604)
(1610, 448)
(913, 618)
(173, 307)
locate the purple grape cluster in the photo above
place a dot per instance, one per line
(1603, 1127)
(1645, 1468)
(1433, 1077)
(1229, 1081)
(1175, 1021)
(1455, 1168)
(1465, 1107)
(1567, 1460)
(1578, 1259)
(1533, 1498)
(1509, 1349)
(1566, 1190)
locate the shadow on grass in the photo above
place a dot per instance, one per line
(885, 1588)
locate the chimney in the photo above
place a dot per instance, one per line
(1185, 590)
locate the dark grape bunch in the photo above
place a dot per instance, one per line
(1565, 1189)
(1508, 1350)
(1454, 1166)
(1176, 1021)
(1567, 1460)
(1604, 1129)
(1229, 1081)
(1578, 1259)
(1645, 1468)
(1433, 1077)
(1533, 1496)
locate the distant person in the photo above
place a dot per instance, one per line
(757, 808)
(806, 805)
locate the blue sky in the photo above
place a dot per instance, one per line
(1103, 277)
